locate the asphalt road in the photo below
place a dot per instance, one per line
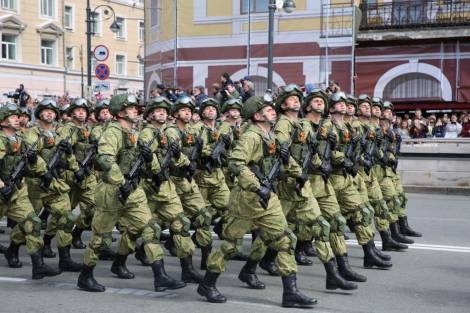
(433, 276)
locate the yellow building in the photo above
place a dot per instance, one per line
(43, 41)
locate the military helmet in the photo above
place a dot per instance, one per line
(286, 92)
(183, 102)
(157, 102)
(377, 102)
(351, 100)
(316, 93)
(103, 104)
(78, 103)
(25, 111)
(47, 104)
(209, 102)
(122, 101)
(387, 105)
(232, 103)
(337, 97)
(364, 98)
(255, 104)
(7, 110)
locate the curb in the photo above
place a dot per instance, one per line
(458, 191)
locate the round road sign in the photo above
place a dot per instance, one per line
(101, 53)
(102, 71)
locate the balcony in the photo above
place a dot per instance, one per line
(414, 14)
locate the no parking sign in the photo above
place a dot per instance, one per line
(102, 71)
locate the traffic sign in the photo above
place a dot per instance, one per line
(102, 86)
(101, 53)
(102, 71)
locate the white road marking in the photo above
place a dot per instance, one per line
(12, 279)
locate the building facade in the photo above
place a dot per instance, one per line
(44, 46)
(414, 52)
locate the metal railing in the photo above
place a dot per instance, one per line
(336, 20)
(415, 13)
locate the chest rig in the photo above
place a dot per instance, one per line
(15, 148)
(82, 144)
(128, 152)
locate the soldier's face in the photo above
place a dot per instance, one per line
(105, 115)
(160, 115)
(47, 116)
(184, 114)
(195, 117)
(292, 103)
(132, 113)
(351, 110)
(209, 113)
(234, 114)
(24, 119)
(364, 108)
(79, 114)
(388, 114)
(269, 115)
(340, 107)
(317, 105)
(376, 111)
(12, 121)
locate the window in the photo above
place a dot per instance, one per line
(9, 4)
(141, 31)
(9, 47)
(121, 33)
(141, 69)
(120, 64)
(69, 57)
(96, 23)
(256, 6)
(47, 52)
(47, 8)
(413, 86)
(154, 13)
(68, 17)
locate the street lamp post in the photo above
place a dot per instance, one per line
(288, 6)
(89, 20)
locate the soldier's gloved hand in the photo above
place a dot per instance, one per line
(265, 194)
(379, 138)
(284, 153)
(6, 191)
(301, 180)
(79, 175)
(126, 190)
(32, 156)
(159, 178)
(331, 138)
(47, 179)
(146, 153)
(227, 141)
(348, 165)
(66, 147)
(175, 149)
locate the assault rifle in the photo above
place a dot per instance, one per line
(87, 163)
(215, 159)
(386, 149)
(16, 176)
(164, 166)
(312, 146)
(325, 167)
(194, 157)
(397, 152)
(133, 176)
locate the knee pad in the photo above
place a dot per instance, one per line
(230, 248)
(338, 224)
(185, 225)
(321, 229)
(397, 204)
(67, 221)
(151, 232)
(203, 219)
(32, 225)
(366, 215)
(403, 199)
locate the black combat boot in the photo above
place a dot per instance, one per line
(208, 289)
(267, 262)
(119, 267)
(291, 296)
(41, 270)
(77, 242)
(299, 254)
(44, 216)
(388, 244)
(218, 227)
(205, 252)
(141, 256)
(66, 264)
(248, 275)
(379, 253)
(2, 231)
(188, 272)
(161, 280)
(3, 249)
(87, 281)
(346, 271)
(371, 259)
(405, 229)
(47, 250)
(334, 279)
(106, 254)
(164, 236)
(170, 246)
(308, 249)
(240, 256)
(395, 230)
(12, 255)
(11, 223)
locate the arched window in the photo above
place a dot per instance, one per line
(413, 86)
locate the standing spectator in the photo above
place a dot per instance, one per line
(445, 119)
(453, 128)
(465, 127)
(418, 130)
(431, 125)
(397, 122)
(248, 90)
(199, 95)
(419, 116)
(407, 118)
(403, 130)
(225, 80)
(439, 131)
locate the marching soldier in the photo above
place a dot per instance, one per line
(119, 197)
(252, 203)
(50, 192)
(14, 202)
